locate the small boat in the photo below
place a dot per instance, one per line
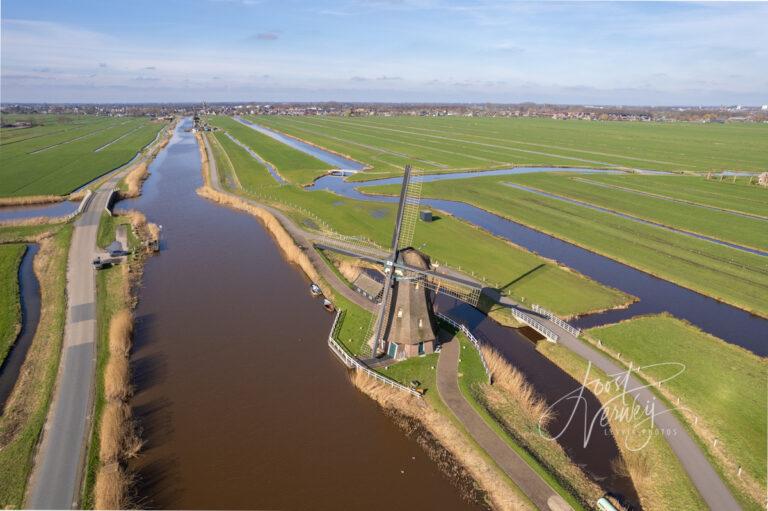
(315, 290)
(328, 305)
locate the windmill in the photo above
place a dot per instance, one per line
(403, 323)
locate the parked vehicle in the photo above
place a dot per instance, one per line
(315, 290)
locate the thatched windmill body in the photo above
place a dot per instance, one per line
(403, 324)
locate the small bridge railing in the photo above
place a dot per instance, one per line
(471, 338)
(537, 325)
(559, 322)
(353, 363)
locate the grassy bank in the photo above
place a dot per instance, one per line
(10, 305)
(437, 143)
(722, 389)
(25, 413)
(730, 275)
(113, 436)
(516, 272)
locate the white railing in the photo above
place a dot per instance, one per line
(471, 338)
(559, 322)
(537, 325)
(353, 363)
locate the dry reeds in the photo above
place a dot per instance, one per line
(111, 491)
(30, 199)
(350, 270)
(118, 440)
(135, 179)
(516, 387)
(449, 447)
(120, 330)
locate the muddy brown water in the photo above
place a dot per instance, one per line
(240, 401)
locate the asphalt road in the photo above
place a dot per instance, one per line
(535, 488)
(57, 475)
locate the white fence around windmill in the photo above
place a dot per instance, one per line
(353, 363)
(556, 320)
(471, 338)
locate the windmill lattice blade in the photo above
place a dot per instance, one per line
(412, 198)
(468, 294)
(351, 243)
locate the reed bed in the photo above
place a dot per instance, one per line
(134, 180)
(446, 444)
(112, 485)
(118, 440)
(516, 387)
(350, 270)
(29, 200)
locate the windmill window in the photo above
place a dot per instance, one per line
(417, 284)
(420, 322)
(399, 313)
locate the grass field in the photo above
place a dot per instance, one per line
(57, 159)
(723, 385)
(521, 274)
(733, 276)
(741, 230)
(739, 197)
(440, 143)
(10, 307)
(294, 166)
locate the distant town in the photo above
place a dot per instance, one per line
(713, 114)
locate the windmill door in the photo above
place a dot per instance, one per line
(392, 350)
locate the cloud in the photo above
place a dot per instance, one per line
(266, 36)
(385, 78)
(150, 68)
(102, 64)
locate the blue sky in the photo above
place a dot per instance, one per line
(379, 50)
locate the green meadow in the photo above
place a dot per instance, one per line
(10, 307)
(738, 197)
(730, 275)
(517, 272)
(438, 144)
(57, 158)
(722, 225)
(294, 166)
(722, 384)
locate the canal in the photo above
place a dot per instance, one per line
(240, 401)
(29, 298)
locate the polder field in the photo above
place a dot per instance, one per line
(734, 276)
(62, 153)
(517, 272)
(440, 144)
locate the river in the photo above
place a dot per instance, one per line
(240, 401)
